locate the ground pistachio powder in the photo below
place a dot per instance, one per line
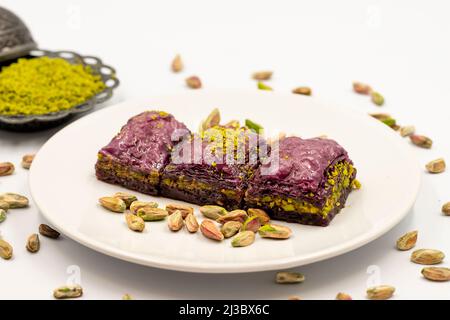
(44, 85)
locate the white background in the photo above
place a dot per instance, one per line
(400, 47)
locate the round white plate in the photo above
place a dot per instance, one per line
(64, 186)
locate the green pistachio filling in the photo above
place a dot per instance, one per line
(339, 179)
(188, 185)
(124, 172)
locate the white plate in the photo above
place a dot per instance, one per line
(64, 186)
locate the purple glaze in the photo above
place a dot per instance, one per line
(145, 142)
(302, 165)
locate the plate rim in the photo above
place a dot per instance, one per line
(213, 268)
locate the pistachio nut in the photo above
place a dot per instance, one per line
(14, 200)
(33, 243)
(184, 209)
(382, 292)
(27, 160)
(48, 232)
(262, 75)
(361, 88)
(6, 168)
(230, 228)
(274, 231)
(261, 214)
(136, 205)
(421, 141)
(6, 250)
(289, 277)
(126, 197)
(210, 230)
(191, 223)
(427, 256)
(213, 212)
(152, 214)
(177, 64)
(436, 166)
(407, 241)
(235, 215)
(436, 274)
(251, 224)
(343, 296)
(243, 239)
(68, 292)
(135, 222)
(175, 221)
(113, 204)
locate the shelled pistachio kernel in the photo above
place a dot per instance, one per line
(356, 185)
(407, 241)
(191, 223)
(14, 200)
(127, 296)
(382, 292)
(377, 98)
(213, 212)
(177, 64)
(68, 292)
(274, 231)
(212, 120)
(152, 214)
(126, 197)
(210, 230)
(289, 277)
(436, 274)
(436, 166)
(33, 243)
(261, 214)
(243, 239)
(136, 205)
(251, 224)
(113, 204)
(6, 250)
(421, 141)
(361, 88)
(235, 215)
(407, 131)
(27, 160)
(184, 209)
(6, 168)
(135, 222)
(343, 296)
(262, 75)
(2, 215)
(446, 209)
(194, 82)
(306, 91)
(427, 256)
(230, 228)
(263, 86)
(48, 231)
(175, 221)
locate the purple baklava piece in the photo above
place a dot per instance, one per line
(305, 181)
(137, 155)
(213, 167)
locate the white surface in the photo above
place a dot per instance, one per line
(398, 47)
(388, 170)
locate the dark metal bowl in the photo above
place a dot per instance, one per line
(49, 120)
(15, 37)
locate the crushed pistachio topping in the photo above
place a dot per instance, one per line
(45, 85)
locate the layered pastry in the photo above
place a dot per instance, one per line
(305, 181)
(136, 156)
(213, 167)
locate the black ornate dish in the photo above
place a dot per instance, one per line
(46, 121)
